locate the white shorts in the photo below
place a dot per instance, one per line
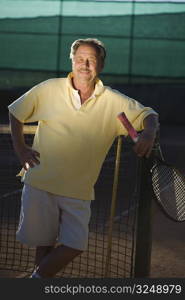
(47, 219)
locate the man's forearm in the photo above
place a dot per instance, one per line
(151, 123)
(147, 137)
(28, 157)
(16, 133)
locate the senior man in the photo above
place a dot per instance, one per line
(77, 124)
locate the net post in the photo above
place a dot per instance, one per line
(144, 219)
(113, 205)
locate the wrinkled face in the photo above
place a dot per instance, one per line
(86, 63)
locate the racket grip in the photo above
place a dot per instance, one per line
(131, 131)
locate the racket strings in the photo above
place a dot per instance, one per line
(169, 188)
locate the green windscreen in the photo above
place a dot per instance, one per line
(145, 40)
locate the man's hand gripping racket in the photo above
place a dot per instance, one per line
(167, 182)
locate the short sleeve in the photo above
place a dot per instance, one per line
(135, 112)
(25, 108)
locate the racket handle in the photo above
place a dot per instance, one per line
(131, 131)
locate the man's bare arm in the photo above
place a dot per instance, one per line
(27, 156)
(147, 138)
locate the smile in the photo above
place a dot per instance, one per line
(84, 71)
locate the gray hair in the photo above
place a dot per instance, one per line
(98, 45)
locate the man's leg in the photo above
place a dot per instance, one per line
(73, 231)
(55, 260)
(41, 252)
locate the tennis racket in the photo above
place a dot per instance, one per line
(167, 182)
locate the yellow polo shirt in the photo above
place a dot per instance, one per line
(73, 142)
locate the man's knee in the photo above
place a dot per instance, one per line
(72, 251)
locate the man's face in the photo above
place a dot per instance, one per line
(86, 63)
